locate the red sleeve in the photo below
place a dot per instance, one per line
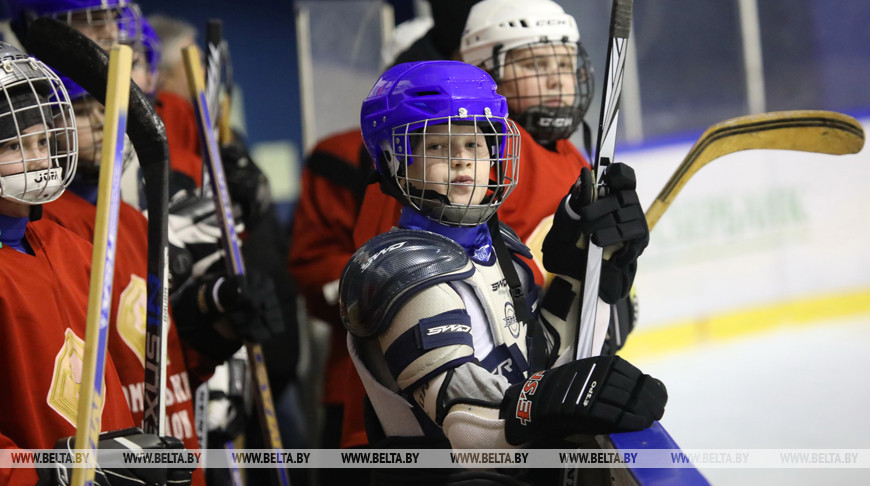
(15, 476)
(182, 134)
(322, 237)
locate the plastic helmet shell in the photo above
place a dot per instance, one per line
(507, 24)
(41, 8)
(413, 101)
(32, 95)
(416, 91)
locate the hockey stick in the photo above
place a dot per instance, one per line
(91, 393)
(590, 337)
(823, 132)
(219, 100)
(212, 41)
(70, 52)
(230, 242)
(213, 66)
(213, 38)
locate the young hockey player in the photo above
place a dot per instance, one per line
(201, 322)
(335, 183)
(44, 274)
(441, 314)
(532, 49)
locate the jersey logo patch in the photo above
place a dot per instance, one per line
(63, 394)
(510, 320)
(131, 316)
(448, 328)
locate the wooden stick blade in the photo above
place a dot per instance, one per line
(823, 132)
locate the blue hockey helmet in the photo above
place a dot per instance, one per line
(51, 8)
(97, 19)
(445, 100)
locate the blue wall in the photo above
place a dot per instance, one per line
(262, 40)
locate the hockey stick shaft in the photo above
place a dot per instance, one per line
(72, 53)
(213, 60)
(213, 39)
(235, 263)
(823, 132)
(91, 392)
(590, 337)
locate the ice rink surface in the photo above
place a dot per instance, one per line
(796, 387)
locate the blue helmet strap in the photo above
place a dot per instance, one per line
(476, 240)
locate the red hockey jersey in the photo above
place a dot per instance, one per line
(127, 325)
(43, 312)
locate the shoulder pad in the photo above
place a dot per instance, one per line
(389, 269)
(512, 241)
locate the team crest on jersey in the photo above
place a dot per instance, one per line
(131, 316)
(510, 320)
(63, 394)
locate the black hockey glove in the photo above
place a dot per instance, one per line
(596, 395)
(247, 184)
(615, 222)
(247, 303)
(111, 446)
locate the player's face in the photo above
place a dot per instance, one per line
(141, 72)
(101, 26)
(541, 75)
(30, 151)
(89, 123)
(457, 165)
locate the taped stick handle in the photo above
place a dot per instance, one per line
(620, 19)
(91, 392)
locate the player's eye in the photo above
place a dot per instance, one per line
(12, 147)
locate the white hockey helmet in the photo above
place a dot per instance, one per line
(37, 130)
(496, 27)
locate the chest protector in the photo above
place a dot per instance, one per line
(386, 281)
